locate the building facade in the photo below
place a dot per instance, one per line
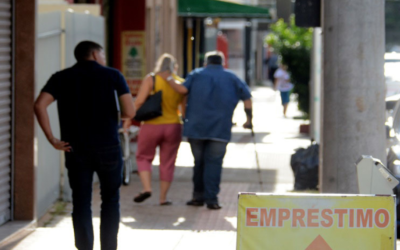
(134, 33)
(17, 57)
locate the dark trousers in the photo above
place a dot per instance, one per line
(271, 72)
(107, 163)
(208, 157)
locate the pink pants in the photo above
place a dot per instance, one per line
(168, 137)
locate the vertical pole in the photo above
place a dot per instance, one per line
(197, 40)
(194, 43)
(185, 49)
(189, 27)
(353, 90)
(247, 51)
(202, 43)
(110, 31)
(315, 86)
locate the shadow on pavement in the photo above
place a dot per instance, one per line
(179, 216)
(149, 215)
(10, 244)
(245, 137)
(299, 136)
(247, 175)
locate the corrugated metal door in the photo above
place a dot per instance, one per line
(5, 110)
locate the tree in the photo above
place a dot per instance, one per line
(294, 44)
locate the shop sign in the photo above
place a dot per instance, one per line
(316, 222)
(133, 58)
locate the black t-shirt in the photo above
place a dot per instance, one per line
(87, 104)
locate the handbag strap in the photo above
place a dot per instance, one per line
(153, 76)
(118, 106)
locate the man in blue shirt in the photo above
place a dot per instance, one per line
(213, 94)
(87, 96)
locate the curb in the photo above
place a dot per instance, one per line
(12, 232)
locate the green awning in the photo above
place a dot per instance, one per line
(219, 8)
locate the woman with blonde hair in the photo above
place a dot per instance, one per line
(164, 131)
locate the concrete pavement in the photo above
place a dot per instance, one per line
(179, 227)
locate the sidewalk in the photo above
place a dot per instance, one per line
(179, 227)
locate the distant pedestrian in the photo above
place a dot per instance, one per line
(272, 62)
(282, 83)
(87, 93)
(213, 94)
(164, 131)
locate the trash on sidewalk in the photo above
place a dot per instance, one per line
(305, 164)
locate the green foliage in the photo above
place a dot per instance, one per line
(294, 44)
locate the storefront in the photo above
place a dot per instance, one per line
(200, 19)
(140, 31)
(127, 47)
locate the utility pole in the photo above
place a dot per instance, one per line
(353, 90)
(247, 51)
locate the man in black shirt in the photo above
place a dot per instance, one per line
(88, 97)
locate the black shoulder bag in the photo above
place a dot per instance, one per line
(151, 108)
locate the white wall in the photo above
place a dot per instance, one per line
(54, 50)
(316, 86)
(47, 159)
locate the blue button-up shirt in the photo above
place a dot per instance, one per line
(213, 94)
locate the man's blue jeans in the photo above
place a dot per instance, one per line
(107, 163)
(208, 157)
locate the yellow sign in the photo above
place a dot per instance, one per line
(133, 58)
(316, 222)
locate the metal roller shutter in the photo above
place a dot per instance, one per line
(5, 110)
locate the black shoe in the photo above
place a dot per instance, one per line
(195, 203)
(141, 197)
(213, 206)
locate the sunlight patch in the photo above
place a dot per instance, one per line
(179, 221)
(128, 220)
(232, 221)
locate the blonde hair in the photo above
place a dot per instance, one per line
(165, 62)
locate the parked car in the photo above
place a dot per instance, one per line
(393, 143)
(392, 73)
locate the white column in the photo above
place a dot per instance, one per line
(315, 86)
(354, 90)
